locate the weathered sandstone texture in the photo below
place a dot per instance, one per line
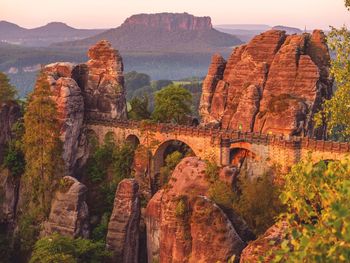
(123, 227)
(69, 213)
(70, 110)
(274, 84)
(91, 90)
(104, 93)
(269, 241)
(183, 225)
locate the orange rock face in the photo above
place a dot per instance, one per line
(269, 241)
(274, 84)
(185, 226)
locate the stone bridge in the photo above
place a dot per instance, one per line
(225, 147)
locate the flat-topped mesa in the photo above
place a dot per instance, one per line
(274, 84)
(170, 21)
(104, 92)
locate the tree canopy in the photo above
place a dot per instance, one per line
(336, 111)
(317, 199)
(172, 104)
(7, 91)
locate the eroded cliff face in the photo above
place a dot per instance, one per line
(69, 213)
(274, 84)
(170, 21)
(10, 113)
(123, 227)
(91, 90)
(183, 225)
(104, 92)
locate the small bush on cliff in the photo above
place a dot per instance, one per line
(172, 104)
(317, 198)
(171, 161)
(7, 91)
(181, 208)
(221, 193)
(57, 248)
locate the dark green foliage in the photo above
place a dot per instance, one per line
(100, 231)
(221, 193)
(172, 104)
(57, 248)
(7, 91)
(171, 161)
(258, 202)
(139, 109)
(134, 81)
(106, 168)
(212, 171)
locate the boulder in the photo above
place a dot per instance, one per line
(123, 227)
(69, 213)
(274, 84)
(183, 225)
(268, 242)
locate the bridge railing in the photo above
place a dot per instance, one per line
(227, 134)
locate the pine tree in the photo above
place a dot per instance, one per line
(7, 91)
(42, 146)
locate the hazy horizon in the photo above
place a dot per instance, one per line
(111, 13)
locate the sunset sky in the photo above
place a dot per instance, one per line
(111, 13)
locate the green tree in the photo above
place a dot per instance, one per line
(336, 111)
(58, 248)
(171, 161)
(134, 81)
(317, 199)
(7, 91)
(42, 145)
(172, 104)
(44, 164)
(139, 109)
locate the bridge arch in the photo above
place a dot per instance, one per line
(133, 140)
(166, 148)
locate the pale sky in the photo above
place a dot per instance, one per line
(111, 13)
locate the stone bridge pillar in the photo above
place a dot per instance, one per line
(225, 152)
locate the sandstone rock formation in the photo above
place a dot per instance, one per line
(10, 113)
(104, 93)
(185, 226)
(91, 90)
(123, 227)
(269, 241)
(69, 213)
(9, 187)
(274, 84)
(70, 109)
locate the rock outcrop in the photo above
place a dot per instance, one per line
(70, 109)
(183, 225)
(69, 213)
(94, 90)
(268, 242)
(9, 188)
(104, 93)
(274, 84)
(123, 227)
